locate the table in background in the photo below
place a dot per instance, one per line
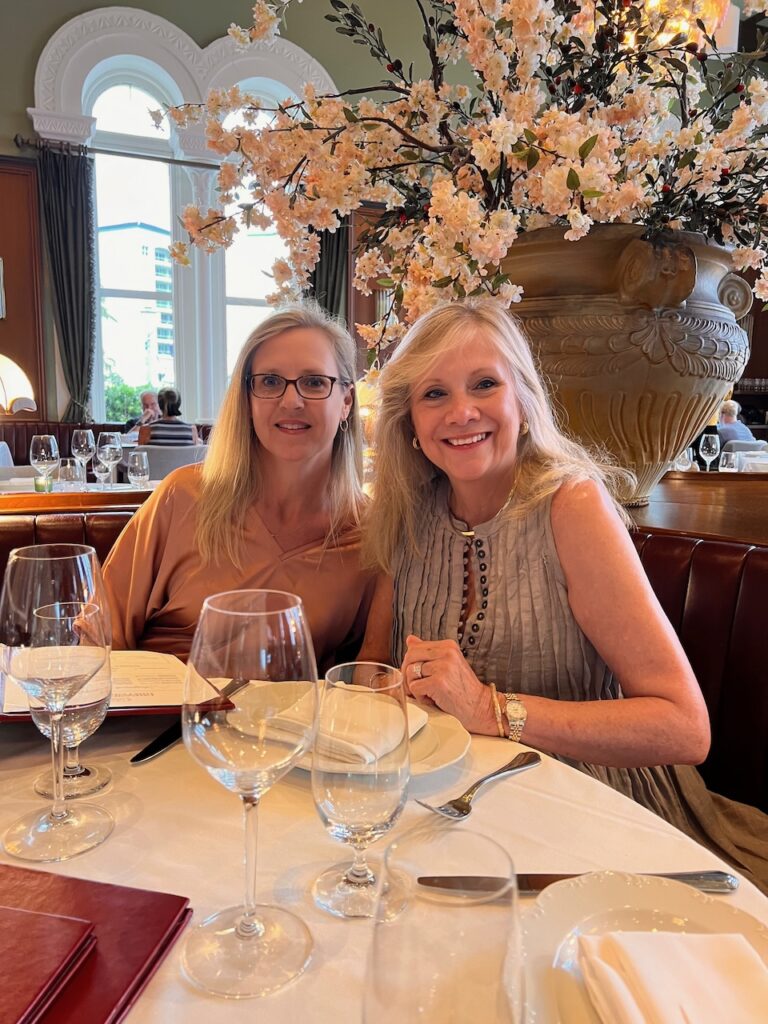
(180, 831)
(722, 506)
(120, 499)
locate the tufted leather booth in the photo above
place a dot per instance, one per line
(715, 594)
(18, 435)
(99, 529)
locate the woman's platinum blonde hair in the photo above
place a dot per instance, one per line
(546, 458)
(232, 476)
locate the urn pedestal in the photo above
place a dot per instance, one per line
(638, 340)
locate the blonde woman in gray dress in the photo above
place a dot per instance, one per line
(513, 596)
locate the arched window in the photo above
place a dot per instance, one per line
(160, 323)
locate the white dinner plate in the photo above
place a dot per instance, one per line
(441, 742)
(609, 901)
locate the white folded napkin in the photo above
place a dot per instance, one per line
(674, 978)
(345, 732)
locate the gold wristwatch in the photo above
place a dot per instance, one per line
(516, 715)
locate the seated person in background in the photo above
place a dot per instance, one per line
(150, 411)
(170, 429)
(730, 427)
(276, 505)
(510, 564)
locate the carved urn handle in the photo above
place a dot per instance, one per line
(657, 275)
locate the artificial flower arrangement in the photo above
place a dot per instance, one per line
(579, 113)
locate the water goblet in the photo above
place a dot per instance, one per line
(109, 450)
(83, 448)
(54, 638)
(445, 955)
(44, 456)
(249, 714)
(360, 772)
(138, 469)
(83, 715)
(728, 463)
(709, 448)
(71, 475)
(101, 471)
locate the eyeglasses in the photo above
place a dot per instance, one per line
(311, 385)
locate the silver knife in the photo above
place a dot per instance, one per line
(532, 884)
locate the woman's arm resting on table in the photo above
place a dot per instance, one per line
(377, 645)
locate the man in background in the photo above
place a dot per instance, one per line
(150, 411)
(730, 426)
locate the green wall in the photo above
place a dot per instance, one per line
(26, 26)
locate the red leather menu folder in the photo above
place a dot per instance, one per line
(39, 954)
(134, 930)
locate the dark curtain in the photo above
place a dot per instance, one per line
(67, 201)
(328, 281)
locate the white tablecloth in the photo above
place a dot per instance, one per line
(179, 831)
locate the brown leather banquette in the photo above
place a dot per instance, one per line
(18, 435)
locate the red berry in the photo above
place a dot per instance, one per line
(578, 89)
(691, 113)
(666, 188)
(557, 79)
(739, 87)
(701, 57)
(725, 171)
(390, 68)
(402, 218)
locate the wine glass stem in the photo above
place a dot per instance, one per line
(249, 924)
(72, 768)
(359, 873)
(59, 809)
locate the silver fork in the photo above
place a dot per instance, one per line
(462, 805)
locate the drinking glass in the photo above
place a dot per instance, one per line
(44, 456)
(685, 461)
(138, 469)
(109, 450)
(54, 638)
(249, 714)
(728, 462)
(709, 448)
(360, 772)
(82, 716)
(71, 475)
(101, 472)
(82, 448)
(445, 955)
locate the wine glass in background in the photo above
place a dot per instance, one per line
(83, 715)
(709, 448)
(44, 456)
(249, 714)
(445, 954)
(71, 475)
(82, 448)
(138, 469)
(360, 772)
(101, 471)
(54, 638)
(685, 461)
(109, 450)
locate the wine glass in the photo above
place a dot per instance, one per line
(71, 474)
(54, 638)
(445, 954)
(82, 716)
(44, 456)
(685, 461)
(360, 772)
(82, 448)
(138, 469)
(109, 450)
(709, 448)
(249, 714)
(101, 471)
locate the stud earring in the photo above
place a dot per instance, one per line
(524, 427)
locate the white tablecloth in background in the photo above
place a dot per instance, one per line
(179, 831)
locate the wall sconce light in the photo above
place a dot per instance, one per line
(16, 393)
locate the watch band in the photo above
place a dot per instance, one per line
(516, 716)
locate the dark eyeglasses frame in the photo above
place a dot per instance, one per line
(295, 381)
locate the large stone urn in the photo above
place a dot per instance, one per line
(638, 341)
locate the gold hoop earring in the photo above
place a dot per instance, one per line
(344, 426)
(415, 443)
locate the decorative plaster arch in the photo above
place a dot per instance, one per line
(72, 57)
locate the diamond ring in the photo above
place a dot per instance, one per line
(417, 673)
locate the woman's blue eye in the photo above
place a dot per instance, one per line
(434, 393)
(486, 383)
(271, 380)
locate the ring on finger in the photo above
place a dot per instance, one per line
(417, 670)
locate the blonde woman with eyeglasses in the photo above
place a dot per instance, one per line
(276, 504)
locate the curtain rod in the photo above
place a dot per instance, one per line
(69, 147)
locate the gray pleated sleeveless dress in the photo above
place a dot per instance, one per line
(523, 637)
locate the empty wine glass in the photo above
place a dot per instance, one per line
(109, 450)
(443, 954)
(71, 475)
(138, 469)
(249, 714)
(83, 714)
(54, 638)
(360, 772)
(709, 448)
(44, 456)
(82, 448)
(101, 471)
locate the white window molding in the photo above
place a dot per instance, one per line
(122, 45)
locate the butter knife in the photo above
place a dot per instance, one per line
(532, 884)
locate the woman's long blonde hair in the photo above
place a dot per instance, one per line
(404, 476)
(232, 477)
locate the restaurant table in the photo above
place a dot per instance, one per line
(122, 497)
(179, 831)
